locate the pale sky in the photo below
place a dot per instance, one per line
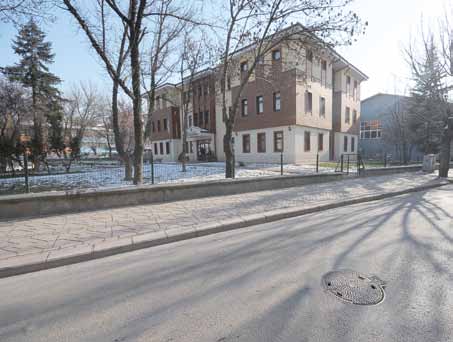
(378, 53)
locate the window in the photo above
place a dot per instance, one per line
(206, 118)
(244, 66)
(261, 137)
(246, 143)
(157, 104)
(244, 107)
(354, 116)
(206, 89)
(307, 144)
(347, 116)
(278, 141)
(324, 73)
(228, 83)
(352, 144)
(199, 91)
(158, 125)
(154, 128)
(308, 102)
(320, 142)
(276, 55)
(309, 56)
(348, 85)
(370, 129)
(191, 147)
(259, 104)
(195, 119)
(165, 125)
(167, 147)
(155, 148)
(200, 119)
(190, 121)
(161, 148)
(345, 144)
(354, 92)
(277, 102)
(322, 107)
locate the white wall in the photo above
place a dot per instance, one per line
(175, 150)
(310, 156)
(339, 144)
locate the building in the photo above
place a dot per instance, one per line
(300, 102)
(376, 124)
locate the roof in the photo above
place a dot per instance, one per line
(379, 104)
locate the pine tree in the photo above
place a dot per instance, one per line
(428, 109)
(32, 72)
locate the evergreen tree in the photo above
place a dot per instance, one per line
(428, 109)
(32, 72)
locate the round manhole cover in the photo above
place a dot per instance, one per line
(354, 287)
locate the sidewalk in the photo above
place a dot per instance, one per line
(83, 236)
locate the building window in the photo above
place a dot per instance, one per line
(244, 107)
(161, 148)
(165, 125)
(259, 104)
(277, 102)
(308, 102)
(190, 121)
(309, 56)
(354, 91)
(154, 128)
(307, 144)
(158, 125)
(206, 118)
(199, 91)
(348, 85)
(157, 104)
(244, 66)
(354, 116)
(352, 144)
(228, 83)
(345, 144)
(278, 141)
(324, 73)
(370, 129)
(206, 89)
(276, 55)
(155, 148)
(191, 147)
(246, 143)
(347, 116)
(167, 147)
(322, 107)
(261, 137)
(195, 119)
(200, 119)
(320, 142)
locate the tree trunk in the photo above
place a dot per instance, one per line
(444, 155)
(134, 31)
(127, 168)
(229, 152)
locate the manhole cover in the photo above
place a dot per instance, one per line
(354, 287)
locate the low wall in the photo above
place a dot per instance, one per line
(61, 202)
(391, 170)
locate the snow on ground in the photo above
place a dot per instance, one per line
(113, 176)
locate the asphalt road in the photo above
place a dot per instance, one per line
(258, 284)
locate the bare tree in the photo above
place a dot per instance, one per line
(15, 11)
(256, 27)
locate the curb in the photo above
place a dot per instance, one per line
(71, 255)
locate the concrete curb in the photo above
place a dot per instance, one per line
(71, 255)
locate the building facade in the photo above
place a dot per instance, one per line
(300, 102)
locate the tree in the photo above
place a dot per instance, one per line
(131, 16)
(33, 73)
(16, 10)
(15, 106)
(428, 112)
(259, 25)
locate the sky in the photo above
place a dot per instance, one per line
(378, 53)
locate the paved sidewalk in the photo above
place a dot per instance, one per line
(49, 237)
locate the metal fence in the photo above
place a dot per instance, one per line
(88, 173)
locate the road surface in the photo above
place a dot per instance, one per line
(258, 284)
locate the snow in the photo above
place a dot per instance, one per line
(102, 176)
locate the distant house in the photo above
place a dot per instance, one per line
(376, 124)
